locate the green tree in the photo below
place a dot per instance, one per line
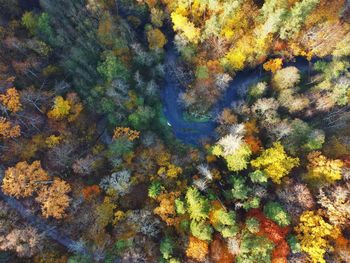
(198, 206)
(141, 118)
(180, 206)
(201, 230)
(296, 18)
(44, 28)
(277, 213)
(252, 225)
(112, 68)
(155, 189)
(255, 249)
(167, 247)
(119, 147)
(30, 21)
(224, 222)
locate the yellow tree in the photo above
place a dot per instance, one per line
(54, 198)
(11, 100)
(197, 249)
(188, 29)
(322, 169)
(69, 108)
(23, 179)
(7, 130)
(313, 232)
(275, 162)
(156, 39)
(60, 109)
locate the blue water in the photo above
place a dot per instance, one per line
(194, 132)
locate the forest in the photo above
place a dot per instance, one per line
(175, 131)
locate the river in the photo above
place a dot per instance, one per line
(192, 132)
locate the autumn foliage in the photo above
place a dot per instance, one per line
(314, 234)
(68, 108)
(54, 198)
(9, 130)
(91, 192)
(219, 252)
(275, 233)
(322, 169)
(130, 134)
(24, 179)
(11, 100)
(197, 249)
(273, 65)
(275, 162)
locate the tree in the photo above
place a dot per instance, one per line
(219, 253)
(167, 247)
(60, 109)
(296, 18)
(255, 249)
(44, 28)
(30, 21)
(197, 249)
(323, 170)
(273, 65)
(11, 100)
(91, 192)
(258, 90)
(275, 162)
(336, 201)
(155, 189)
(277, 213)
(224, 222)
(243, 193)
(166, 209)
(296, 198)
(26, 242)
(156, 39)
(118, 181)
(181, 23)
(84, 166)
(8, 130)
(104, 213)
(274, 233)
(201, 230)
(253, 225)
(141, 118)
(286, 78)
(119, 147)
(302, 137)
(235, 151)
(157, 17)
(292, 101)
(112, 68)
(130, 134)
(273, 22)
(54, 199)
(270, 6)
(314, 233)
(53, 141)
(198, 206)
(68, 108)
(24, 179)
(235, 58)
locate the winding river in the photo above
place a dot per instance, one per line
(194, 132)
